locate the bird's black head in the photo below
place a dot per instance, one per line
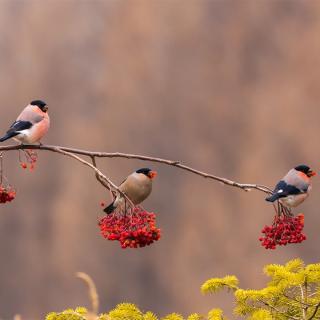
(305, 169)
(147, 172)
(40, 104)
(144, 171)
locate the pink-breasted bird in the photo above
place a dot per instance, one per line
(31, 125)
(137, 187)
(294, 187)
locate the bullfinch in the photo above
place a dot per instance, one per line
(294, 187)
(31, 125)
(137, 187)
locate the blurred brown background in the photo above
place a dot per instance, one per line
(228, 87)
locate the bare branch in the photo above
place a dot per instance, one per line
(106, 181)
(277, 310)
(71, 152)
(94, 298)
(315, 311)
(304, 308)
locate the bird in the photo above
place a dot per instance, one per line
(137, 187)
(31, 125)
(294, 187)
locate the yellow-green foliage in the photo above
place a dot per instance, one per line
(261, 315)
(215, 284)
(173, 316)
(195, 316)
(69, 314)
(293, 292)
(126, 311)
(123, 311)
(216, 314)
(150, 316)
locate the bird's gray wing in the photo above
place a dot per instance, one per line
(293, 179)
(28, 114)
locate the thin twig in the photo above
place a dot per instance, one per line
(104, 183)
(93, 295)
(315, 311)
(97, 172)
(277, 310)
(304, 308)
(309, 305)
(178, 164)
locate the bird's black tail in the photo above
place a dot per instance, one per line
(273, 198)
(8, 136)
(110, 208)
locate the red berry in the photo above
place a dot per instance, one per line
(23, 165)
(133, 230)
(7, 194)
(285, 229)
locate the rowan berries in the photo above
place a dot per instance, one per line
(133, 230)
(284, 230)
(7, 194)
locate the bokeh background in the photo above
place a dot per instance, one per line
(228, 87)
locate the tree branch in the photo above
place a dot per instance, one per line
(277, 310)
(315, 311)
(304, 308)
(71, 152)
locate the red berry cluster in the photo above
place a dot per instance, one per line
(7, 194)
(285, 229)
(137, 229)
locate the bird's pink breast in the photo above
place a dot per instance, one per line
(39, 130)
